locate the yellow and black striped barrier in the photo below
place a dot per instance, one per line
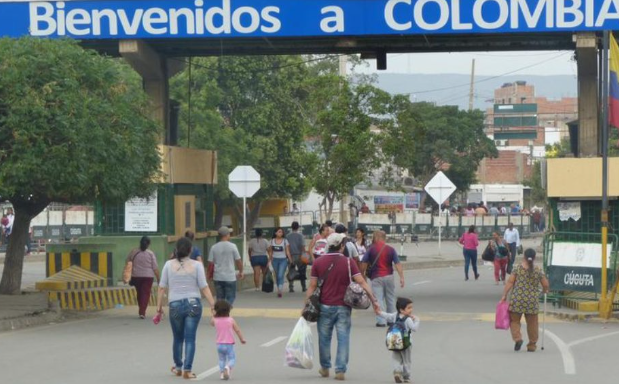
(73, 277)
(99, 263)
(95, 298)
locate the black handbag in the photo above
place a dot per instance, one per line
(488, 254)
(311, 311)
(293, 274)
(267, 283)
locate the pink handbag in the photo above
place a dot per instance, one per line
(501, 320)
(157, 318)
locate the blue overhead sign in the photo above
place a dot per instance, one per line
(115, 19)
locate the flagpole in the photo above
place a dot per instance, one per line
(604, 305)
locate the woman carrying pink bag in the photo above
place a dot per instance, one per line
(524, 283)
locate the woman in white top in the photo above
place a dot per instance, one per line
(184, 280)
(279, 257)
(361, 241)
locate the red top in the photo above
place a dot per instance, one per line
(335, 284)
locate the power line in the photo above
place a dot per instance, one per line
(486, 79)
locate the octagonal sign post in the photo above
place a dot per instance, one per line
(244, 182)
(439, 189)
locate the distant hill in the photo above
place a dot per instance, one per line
(454, 89)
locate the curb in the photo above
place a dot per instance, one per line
(588, 317)
(433, 264)
(30, 320)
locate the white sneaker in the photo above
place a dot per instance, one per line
(221, 376)
(226, 373)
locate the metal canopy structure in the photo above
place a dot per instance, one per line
(368, 45)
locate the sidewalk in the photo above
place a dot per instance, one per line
(26, 310)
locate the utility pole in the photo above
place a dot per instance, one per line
(472, 90)
(605, 307)
(343, 197)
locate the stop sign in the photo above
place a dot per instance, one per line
(244, 181)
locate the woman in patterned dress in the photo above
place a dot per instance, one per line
(525, 282)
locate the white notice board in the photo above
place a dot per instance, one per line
(141, 214)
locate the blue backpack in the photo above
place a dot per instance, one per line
(398, 337)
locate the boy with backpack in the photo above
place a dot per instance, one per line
(398, 339)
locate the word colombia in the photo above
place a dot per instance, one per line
(204, 18)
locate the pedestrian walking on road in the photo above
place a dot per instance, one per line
(225, 256)
(280, 258)
(225, 328)
(524, 285)
(351, 248)
(318, 246)
(184, 279)
(257, 251)
(501, 256)
(297, 254)
(404, 322)
(332, 268)
(378, 264)
(143, 273)
(470, 242)
(196, 253)
(512, 237)
(361, 241)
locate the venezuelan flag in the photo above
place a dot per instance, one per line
(614, 82)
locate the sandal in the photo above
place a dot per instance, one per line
(176, 371)
(189, 375)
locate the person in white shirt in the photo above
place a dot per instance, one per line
(512, 237)
(11, 217)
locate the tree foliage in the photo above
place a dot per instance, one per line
(427, 138)
(249, 110)
(341, 116)
(74, 127)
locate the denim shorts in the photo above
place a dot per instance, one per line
(259, 261)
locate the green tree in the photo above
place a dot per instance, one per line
(74, 127)
(558, 150)
(249, 110)
(341, 116)
(427, 138)
(538, 193)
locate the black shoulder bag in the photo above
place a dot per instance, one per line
(311, 312)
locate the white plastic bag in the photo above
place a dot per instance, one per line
(300, 346)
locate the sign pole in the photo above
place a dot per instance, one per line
(439, 230)
(244, 229)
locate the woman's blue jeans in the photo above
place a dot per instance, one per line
(185, 316)
(470, 257)
(279, 267)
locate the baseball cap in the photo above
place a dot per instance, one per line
(335, 239)
(223, 231)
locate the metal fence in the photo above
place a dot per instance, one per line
(58, 223)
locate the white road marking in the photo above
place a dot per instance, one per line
(592, 338)
(569, 364)
(274, 341)
(206, 374)
(422, 282)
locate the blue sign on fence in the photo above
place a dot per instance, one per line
(144, 19)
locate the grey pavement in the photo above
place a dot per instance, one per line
(456, 343)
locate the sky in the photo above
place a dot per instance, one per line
(486, 63)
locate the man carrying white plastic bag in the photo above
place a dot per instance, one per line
(300, 347)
